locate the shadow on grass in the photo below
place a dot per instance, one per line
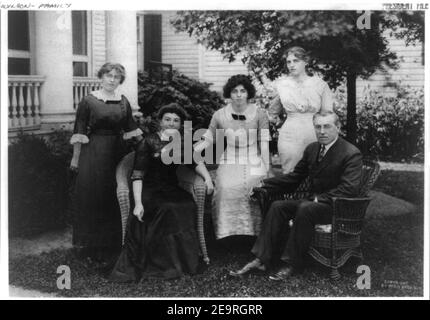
(405, 185)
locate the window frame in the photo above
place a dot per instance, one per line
(88, 59)
(24, 54)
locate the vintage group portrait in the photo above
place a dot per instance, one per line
(214, 152)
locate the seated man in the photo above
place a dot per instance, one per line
(334, 167)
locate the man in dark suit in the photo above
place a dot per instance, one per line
(334, 167)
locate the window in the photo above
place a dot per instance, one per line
(18, 43)
(18, 66)
(18, 35)
(139, 36)
(80, 69)
(80, 43)
(152, 39)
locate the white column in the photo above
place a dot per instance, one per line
(121, 47)
(53, 59)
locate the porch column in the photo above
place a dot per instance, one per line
(121, 47)
(53, 59)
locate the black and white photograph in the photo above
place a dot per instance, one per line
(240, 151)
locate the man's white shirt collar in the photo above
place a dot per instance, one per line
(328, 146)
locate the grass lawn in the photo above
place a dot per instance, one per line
(392, 246)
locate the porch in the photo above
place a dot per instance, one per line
(26, 108)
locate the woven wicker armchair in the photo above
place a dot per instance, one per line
(188, 180)
(333, 244)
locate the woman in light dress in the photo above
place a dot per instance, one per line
(244, 162)
(301, 95)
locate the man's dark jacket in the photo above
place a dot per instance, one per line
(337, 175)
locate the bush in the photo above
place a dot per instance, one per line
(265, 92)
(38, 190)
(389, 128)
(194, 96)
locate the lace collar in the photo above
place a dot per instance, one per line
(99, 95)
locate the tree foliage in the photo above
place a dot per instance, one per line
(338, 47)
(341, 48)
(390, 128)
(408, 25)
(195, 97)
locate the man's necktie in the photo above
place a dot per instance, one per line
(321, 153)
(238, 116)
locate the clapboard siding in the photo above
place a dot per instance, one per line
(209, 66)
(99, 40)
(178, 49)
(217, 70)
(185, 54)
(410, 71)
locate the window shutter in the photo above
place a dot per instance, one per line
(152, 39)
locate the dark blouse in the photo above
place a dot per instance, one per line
(94, 114)
(156, 161)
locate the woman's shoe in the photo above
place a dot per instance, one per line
(254, 265)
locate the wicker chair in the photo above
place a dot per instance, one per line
(333, 244)
(188, 180)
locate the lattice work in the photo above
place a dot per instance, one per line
(349, 214)
(123, 197)
(195, 185)
(369, 175)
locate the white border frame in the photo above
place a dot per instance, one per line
(186, 4)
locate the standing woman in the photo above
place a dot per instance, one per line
(244, 162)
(103, 119)
(301, 95)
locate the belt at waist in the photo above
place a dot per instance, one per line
(105, 132)
(300, 115)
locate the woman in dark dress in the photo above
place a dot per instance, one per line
(161, 238)
(103, 119)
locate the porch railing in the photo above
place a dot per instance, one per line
(24, 102)
(83, 86)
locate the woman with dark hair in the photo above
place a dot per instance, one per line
(301, 95)
(244, 162)
(161, 236)
(103, 119)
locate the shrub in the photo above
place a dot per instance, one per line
(194, 96)
(265, 92)
(389, 128)
(38, 190)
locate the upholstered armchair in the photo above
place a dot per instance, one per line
(188, 180)
(335, 243)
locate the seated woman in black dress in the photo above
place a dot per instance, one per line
(161, 238)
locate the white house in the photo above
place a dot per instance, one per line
(53, 61)
(54, 56)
